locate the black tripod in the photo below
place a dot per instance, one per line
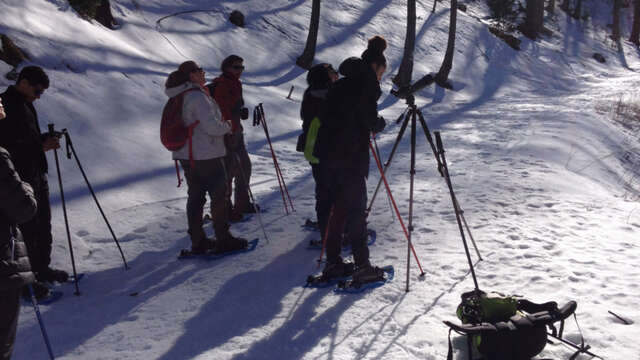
(70, 151)
(413, 114)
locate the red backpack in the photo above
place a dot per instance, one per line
(174, 134)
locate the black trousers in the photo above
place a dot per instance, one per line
(206, 177)
(239, 166)
(9, 311)
(37, 231)
(348, 196)
(323, 201)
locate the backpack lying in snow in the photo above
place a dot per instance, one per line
(508, 328)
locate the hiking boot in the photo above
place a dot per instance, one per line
(40, 290)
(230, 244)
(337, 269)
(250, 208)
(235, 216)
(368, 274)
(50, 275)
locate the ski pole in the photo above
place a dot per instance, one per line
(275, 159)
(33, 299)
(71, 150)
(42, 329)
(395, 206)
(258, 120)
(393, 215)
(326, 234)
(64, 211)
(253, 200)
(403, 128)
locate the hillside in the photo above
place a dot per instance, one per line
(547, 180)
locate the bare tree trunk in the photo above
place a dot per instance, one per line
(104, 16)
(577, 12)
(403, 78)
(635, 30)
(615, 29)
(434, 6)
(551, 8)
(535, 18)
(306, 59)
(443, 74)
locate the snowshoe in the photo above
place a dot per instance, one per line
(211, 255)
(366, 278)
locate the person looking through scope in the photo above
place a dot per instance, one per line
(350, 115)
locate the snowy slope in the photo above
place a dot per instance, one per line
(540, 173)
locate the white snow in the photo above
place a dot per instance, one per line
(547, 179)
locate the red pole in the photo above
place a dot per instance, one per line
(395, 207)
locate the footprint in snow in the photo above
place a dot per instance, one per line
(82, 233)
(140, 230)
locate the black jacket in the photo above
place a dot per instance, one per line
(17, 205)
(20, 135)
(350, 114)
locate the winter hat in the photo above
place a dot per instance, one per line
(375, 50)
(318, 76)
(229, 60)
(176, 78)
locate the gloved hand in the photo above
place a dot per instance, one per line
(244, 113)
(379, 125)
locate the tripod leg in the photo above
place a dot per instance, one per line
(427, 133)
(412, 173)
(388, 163)
(455, 206)
(464, 221)
(66, 222)
(95, 198)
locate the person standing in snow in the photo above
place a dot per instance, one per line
(208, 173)
(226, 90)
(20, 135)
(320, 77)
(17, 205)
(343, 149)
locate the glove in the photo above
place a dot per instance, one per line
(379, 125)
(244, 113)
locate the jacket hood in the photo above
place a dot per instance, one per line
(353, 67)
(175, 91)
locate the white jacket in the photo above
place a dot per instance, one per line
(207, 137)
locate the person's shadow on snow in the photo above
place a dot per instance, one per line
(224, 318)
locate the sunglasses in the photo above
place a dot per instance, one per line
(238, 67)
(38, 91)
(198, 69)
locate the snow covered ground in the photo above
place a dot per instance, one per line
(547, 180)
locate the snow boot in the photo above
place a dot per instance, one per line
(40, 290)
(368, 274)
(50, 275)
(229, 243)
(338, 269)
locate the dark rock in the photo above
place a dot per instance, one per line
(104, 15)
(511, 40)
(10, 52)
(599, 58)
(237, 18)
(462, 7)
